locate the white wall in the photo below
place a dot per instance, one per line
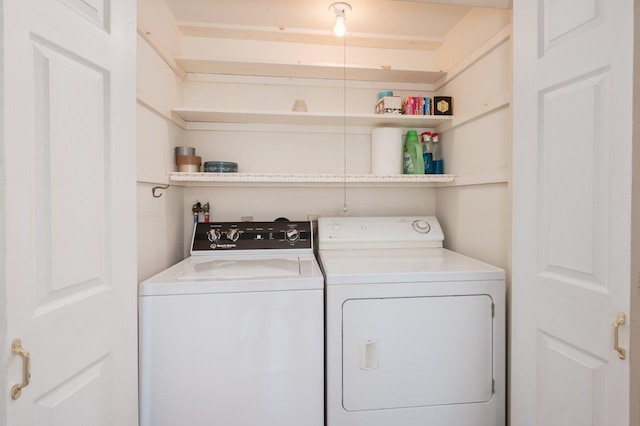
(296, 203)
(261, 148)
(300, 53)
(476, 219)
(155, 18)
(160, 225)
(478, 25)
(279, 93)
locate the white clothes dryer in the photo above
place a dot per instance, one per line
(234, 334)
(415, 333)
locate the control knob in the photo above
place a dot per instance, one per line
(421, 226)
(292, 235)
(233, 235)
(213, 235)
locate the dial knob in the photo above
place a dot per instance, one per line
(292, 235)
(421, 226)
(213, 235)
(233, 235)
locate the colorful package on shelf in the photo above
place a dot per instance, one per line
(427, 107)
(389, 105)
(408, 106)
(416, 105)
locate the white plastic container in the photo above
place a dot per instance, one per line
(386, 151)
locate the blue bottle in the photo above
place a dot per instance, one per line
(438, 161)
(427, 153)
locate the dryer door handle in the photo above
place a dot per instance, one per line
(368, 355)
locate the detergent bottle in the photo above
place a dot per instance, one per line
(413, 150)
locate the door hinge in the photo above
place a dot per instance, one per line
(493, 310)
(493, 386)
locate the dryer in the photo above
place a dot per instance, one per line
(415, 333)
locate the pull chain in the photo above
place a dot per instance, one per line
(344, 120)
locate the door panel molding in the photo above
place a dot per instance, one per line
(568, 402)
(562, 21)
(573, 187)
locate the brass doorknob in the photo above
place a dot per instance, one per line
(17, 349)
(622, 354)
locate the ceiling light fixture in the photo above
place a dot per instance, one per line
(340, 9)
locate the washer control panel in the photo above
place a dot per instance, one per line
(238, 236)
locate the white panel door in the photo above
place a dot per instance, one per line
(68, 222)
(572, 170)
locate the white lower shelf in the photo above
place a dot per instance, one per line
(296, 179)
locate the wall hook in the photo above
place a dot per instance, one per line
(155, 191)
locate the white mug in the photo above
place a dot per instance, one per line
(300, 105)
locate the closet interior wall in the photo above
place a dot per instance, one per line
(160, 226)
(475, 217)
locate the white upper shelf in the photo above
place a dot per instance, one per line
(308, 70)
(211, 115)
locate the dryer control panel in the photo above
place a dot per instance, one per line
(379, 232)
(251, 236)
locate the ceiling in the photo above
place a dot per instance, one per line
(409, 24)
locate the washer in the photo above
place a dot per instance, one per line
(415, 333)
(234, 334)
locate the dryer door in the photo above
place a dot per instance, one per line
(417, 351)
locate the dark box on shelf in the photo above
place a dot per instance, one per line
(442, 105)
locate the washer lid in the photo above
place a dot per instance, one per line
(224, 269)
(380, 266)
(236, 273)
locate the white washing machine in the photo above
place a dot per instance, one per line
(415, 333)
(234, 334)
